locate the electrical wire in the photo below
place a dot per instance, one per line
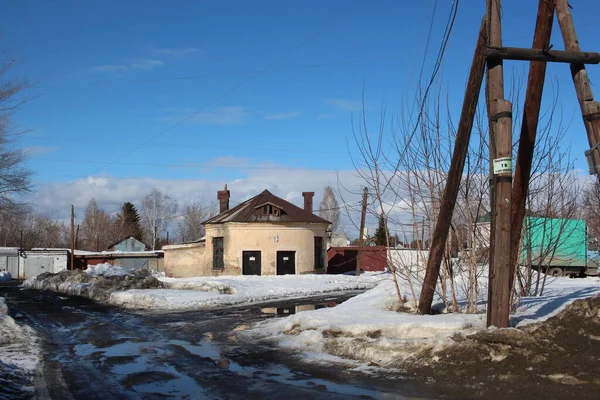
(213, 101)
(188, 166)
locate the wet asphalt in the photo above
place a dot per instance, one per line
(92, 351)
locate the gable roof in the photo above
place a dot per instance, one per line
(245, 212)
(125, 238)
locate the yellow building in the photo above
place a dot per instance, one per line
(264, 235)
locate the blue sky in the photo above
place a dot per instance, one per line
(270, 83)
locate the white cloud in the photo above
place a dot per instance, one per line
(345, 104)
(287, 115)
(176, 52)
(287, 183)
(33, 151)
(144, 64)
(218, 116)
(109, 68)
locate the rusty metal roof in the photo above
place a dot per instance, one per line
(246, 212)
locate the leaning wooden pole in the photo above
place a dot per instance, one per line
(361, 239)
(72, 257)
(461, 146)
(590, 109)
(531, 114)
(500, 115)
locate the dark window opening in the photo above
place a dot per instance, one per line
(269, 209)
(319, 262)
(218, 262)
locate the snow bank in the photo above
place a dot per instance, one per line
(558, 294)
(95, 287)
(5, 276)
(368, 327)
(19, 356)
(215, 292)
(106, 269)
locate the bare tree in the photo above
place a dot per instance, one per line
(591, 208)
(96, 228)
(27, 229)
(189, 224)
(329, 208)
(157, 209)
(14, 177)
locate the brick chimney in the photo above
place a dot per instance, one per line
(308, 200)
(223, 196)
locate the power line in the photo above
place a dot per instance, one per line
(234, 73)
(295, 150)
(216, 99)
(173, 180)
(224, 74)
(188, 166)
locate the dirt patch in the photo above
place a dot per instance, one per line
(555, 359)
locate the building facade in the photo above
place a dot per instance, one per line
(265, 235)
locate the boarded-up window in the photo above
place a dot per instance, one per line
(319, 252)
(218, 253)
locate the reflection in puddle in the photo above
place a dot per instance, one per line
(296, 309)
(282, 374)
(181, 386)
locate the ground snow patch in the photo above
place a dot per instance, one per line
(106, 269)
(215, 292)
(368, 328)
(365, 327)
(19, 356)
(5, 276)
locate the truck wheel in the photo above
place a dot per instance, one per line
(556, 272)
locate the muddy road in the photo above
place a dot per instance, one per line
(96, 352)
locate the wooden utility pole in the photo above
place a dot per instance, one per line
(72, 237)
(531, 114)
(590, 109)
(461, 146)
(363, 216)
(500, 115)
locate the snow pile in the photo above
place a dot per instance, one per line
(369, 328)
(5, 276)
(98, 288)
(215, 292)
(365, 327)
(106, 269)
(558, 293)
(19, 356)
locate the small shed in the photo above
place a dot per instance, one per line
(129, 261)
(23, 264)
(128, 244)
(343, 259)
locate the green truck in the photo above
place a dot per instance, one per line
(558, 247)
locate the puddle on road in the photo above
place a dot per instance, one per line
(205, 348)
(181, 386)
(283, 374)
(126, 348)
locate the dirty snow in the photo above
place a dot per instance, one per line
(5, 276)
(106, 269)
(368, 327)
(215, 292)
(95, 287)
(19, 356)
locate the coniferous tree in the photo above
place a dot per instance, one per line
(380, 232)
(128, 222)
